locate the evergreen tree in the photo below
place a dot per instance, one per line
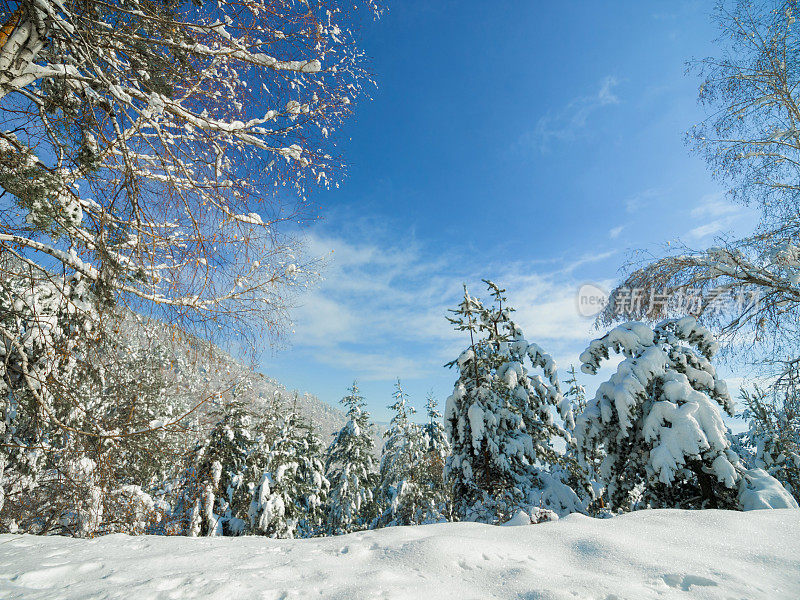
(658, 420)
(350, 469)
(582, 475)
(315, 487)
(499, 420)
(772, 441)
(287, 500)
(222, 475)
(575, 393)
(401, 494)
(437, 448)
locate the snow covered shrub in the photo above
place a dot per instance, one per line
(43, 320)
(103, 399)
(657, 422)
(84, 514)
(531, 516)
(500, 420)
(350, 468)
(131, 510)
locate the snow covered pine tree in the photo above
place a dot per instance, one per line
(401, 496)
(499, 420)
(350, 469)
(438, 496)
(218, 485)
(288, 499)
(658, 423)
(772, 441)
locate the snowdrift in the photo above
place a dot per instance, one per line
(649, 554)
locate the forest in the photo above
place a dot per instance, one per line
(158, 162)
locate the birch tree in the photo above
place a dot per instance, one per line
(154, 156)
(747, 289)
(160, 149)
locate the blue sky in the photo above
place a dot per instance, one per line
(535, 144)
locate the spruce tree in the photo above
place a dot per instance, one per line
(314, 486)
(223, 470)
(287, 501)
(499, 419)
(772, 440)
(350, 469)
(401, 495)
(575, 393)
(658, 420)
(437, 448)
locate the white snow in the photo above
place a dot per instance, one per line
(760, 491)
(649, 554)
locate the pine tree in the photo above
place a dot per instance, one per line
(350, 469)
(315, 487)
(287, 501)
(658, 420)
(499, 420)
(223, 470)
(582, 476)
(772, 440)
(437, 448)
(575, 393)
(401, 494)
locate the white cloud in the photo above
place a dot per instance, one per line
(605, 95)
(586, 259)
(707, 230)
(717, 215)
(568, 122)
(642, 199)
(615, 231)
(714, 205)
(380, 311)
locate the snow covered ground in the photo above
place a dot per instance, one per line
(650, 554)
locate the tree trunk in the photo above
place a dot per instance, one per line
(20, 42)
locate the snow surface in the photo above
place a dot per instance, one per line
(647, 554)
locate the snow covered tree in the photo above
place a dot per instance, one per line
(772, 441)
(292, 487)
(350, 469)
(147, 145)
(224, 467)
(42, 325)
(746, 289)
(499, 419)
(658, 420)
(145, 153)
(438, 497)
(582, 478)
(575, 393)
(315, 487)
(402, 497)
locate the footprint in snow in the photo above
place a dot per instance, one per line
(41, 579)
(685, 582)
